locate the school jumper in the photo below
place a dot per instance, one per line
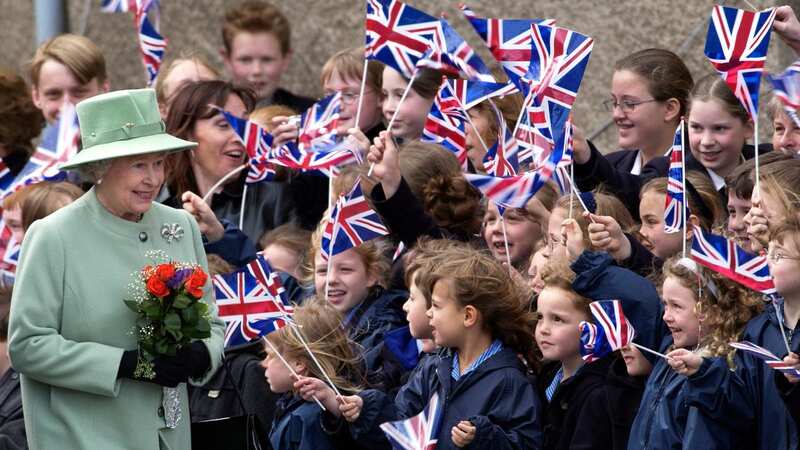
(368, 322)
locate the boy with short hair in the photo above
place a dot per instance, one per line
(66, 67)
(257, 51)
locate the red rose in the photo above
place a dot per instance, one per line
(165, 272)
(157, 287)
(195, 283)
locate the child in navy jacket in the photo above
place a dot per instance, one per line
(479, 317)
(297, 424)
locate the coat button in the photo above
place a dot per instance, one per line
(143, 236)
(160, 411)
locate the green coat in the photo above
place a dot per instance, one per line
(69, 327)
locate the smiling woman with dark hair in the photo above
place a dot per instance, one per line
(193, 115)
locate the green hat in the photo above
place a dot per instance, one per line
(122, 123)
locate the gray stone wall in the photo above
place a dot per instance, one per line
(321, 27)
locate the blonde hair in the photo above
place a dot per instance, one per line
(289, 236)
(557, 273)
(725, 317)
(421, 260)
(321, 328)
(782, 181)
(263, 116)
(349, 64)
(373, 254)
(79, 54)
(46, 199)
(163, 74)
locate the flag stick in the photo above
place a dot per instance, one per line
(641, 347)
(779, 314)
(394, 116)
(469, 119)
(316, 361)
(222, 181)
(361, 93)
(755, 140)
(330, 253)
(241, 208)
(683, 184)
(505, 240)
(571, 182)
(575, 193)
(286, 363)
(751, 6)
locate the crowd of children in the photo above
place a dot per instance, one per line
(479, 306)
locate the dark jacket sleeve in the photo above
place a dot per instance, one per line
(641, 260)
(234, 246)
(598, 278)
(598, 170)
(403, 214)
(790, 393)
(722, 394)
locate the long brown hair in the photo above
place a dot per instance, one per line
(195, 101)
(479, 280)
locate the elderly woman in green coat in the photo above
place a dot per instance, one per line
(71, 336)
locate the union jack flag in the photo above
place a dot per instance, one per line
(674, 212)
(736, 46)
(398, 35)
(509, 40)
(501, 159)
(9, 254)
(786, 87)
(118, 6)
(323, 160)
(769, 358)
(257, 143)
(558, 62)
(728, 259)
(446, 124)
(352, 222)
(250, 308)
(450, 54)
(419, 432)
(610, 332)
(59, 144)
(151, 43)
(471, 93)
(318, 123)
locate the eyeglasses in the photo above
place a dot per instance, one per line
(777, 255)
(626, 106)
(348, 98)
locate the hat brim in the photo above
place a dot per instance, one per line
(156, 143)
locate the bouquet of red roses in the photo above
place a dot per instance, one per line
(167, 299)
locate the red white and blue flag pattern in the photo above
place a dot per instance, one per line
(675, 210)
(509, 41)
(471, 93)
(446, 124)
(723, 256)
(559, 58)
(318, 124)
(501, 159)
(450, 54)
(736, 45)
(398, 35)
(786, 87)
(610, 331)
(252, 303)
(352, 222)
(257, 143)
(769, 358)
(418, 432)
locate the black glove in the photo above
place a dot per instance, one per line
(194, 358)
(169, 371)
